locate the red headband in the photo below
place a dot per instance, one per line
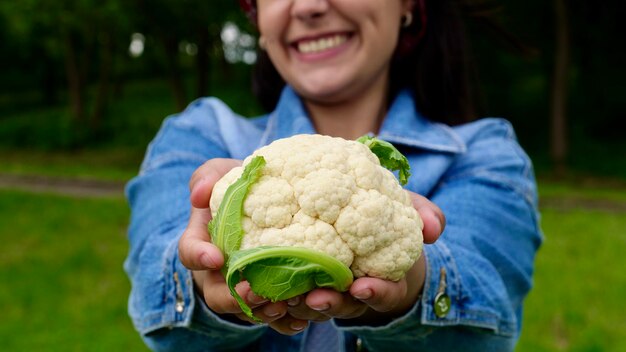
(410, 39)
(422, 13)
(249, 7)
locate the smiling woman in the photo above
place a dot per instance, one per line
(331, 53)
(342, 68)
(429, 57)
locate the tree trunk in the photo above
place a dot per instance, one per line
(203, 63)
(106, 63)
(176, 81)
(49, 82)
(559, 141)
(75, 82)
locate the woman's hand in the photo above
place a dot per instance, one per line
(372, 300)
(369, 299)
(197, 252)
(194, 248)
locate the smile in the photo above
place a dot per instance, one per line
(321, 44)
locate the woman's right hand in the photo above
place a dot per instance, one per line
(198, 254)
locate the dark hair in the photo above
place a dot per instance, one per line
(437, 69)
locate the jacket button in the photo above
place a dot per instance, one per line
(442, 304)
(442, 300)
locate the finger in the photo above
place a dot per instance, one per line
(218, 297)
(194, 248)
(246, 318)
(432, 216)
(289, 325)
(204, 178)
(335, 304)
(271, 312)
(380, 295)
(392, 298)
(267, 313)
(252, 299)
(297, 308)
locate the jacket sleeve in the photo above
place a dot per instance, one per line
(484, 259)
(162, 303)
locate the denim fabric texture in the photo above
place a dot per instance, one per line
(477, 173)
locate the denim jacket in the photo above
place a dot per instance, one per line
(476, 173)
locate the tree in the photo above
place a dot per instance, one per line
(77, 31)
(559, 145)
(172, 22)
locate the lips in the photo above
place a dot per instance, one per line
(321, 43)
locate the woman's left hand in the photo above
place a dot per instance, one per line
(369, 300)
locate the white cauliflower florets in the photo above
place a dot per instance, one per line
(331, 195)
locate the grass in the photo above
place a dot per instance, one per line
(609, 190)
(61, 262)
(577, 302)
(61, 267)
(109, 165)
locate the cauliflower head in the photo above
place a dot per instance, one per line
(330, 195)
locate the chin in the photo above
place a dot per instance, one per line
(325, 94)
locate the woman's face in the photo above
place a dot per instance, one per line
(329, 50)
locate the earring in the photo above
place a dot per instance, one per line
(407, 19)
(262, 42)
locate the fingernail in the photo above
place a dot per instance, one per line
(272, 312)
(292, 302)
(365, 294)
(298, 325)
(321, 308)
(254, 299)
(206, 260)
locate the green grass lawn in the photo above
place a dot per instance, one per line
(64, 288)
(578, 300)
(104, 165)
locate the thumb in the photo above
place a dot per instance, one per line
(432, 216)
(195, 250)
(204, 178)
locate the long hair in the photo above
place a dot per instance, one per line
(437, 68)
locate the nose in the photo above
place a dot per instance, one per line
(308, 10)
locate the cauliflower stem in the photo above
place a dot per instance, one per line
(280, 273)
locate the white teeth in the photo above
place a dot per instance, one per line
(321, 44)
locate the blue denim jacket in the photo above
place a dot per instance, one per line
(476, 172)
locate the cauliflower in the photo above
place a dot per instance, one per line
(315, 200)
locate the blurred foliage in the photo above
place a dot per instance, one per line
(517, 82)
(69, 82)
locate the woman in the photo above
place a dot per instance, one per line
(345, 68)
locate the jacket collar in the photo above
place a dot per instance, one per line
(289, 118)
(404, 125)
